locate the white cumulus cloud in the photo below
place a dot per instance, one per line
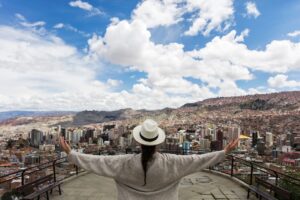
(86, 6)
(81, 4)
(45, 73)
(252, 9)
(166, 65)
(281, 81)
(278, 56)
(210, 15)
(159, 12)
(59, 26)
(20, 17)
(223, 61)
(206, 16)
(71, 28)
(294, 33)
(24, 22)
(113, 82)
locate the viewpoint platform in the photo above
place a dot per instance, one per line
(199, 186)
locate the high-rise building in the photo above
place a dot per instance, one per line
(269, 139)
(215, 145)
(76, 136)
(261, 147)
(186, 147)
(63, 132)
(254, 138)
(220, 136)
(104, 136)
(181, 136)
(204, 144)
(36, 137)
(88, 134)
(100, 142)
(69, 135)
(213, 134)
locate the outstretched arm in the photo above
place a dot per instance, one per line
(188, 164)
(108, 166)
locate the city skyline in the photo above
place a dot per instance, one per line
(107, 55)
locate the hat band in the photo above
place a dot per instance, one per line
(148, 139)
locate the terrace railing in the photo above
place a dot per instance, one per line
(246, 171)
(60, 168)
(233, 166)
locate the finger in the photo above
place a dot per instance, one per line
(234, 144)
(67, 144)
(236, 141)
(60, 141)
(230, 143)
(63, 145)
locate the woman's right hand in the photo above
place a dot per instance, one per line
(64, 145)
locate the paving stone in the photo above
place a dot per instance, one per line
(219, 196)
(203, 197)
(227, 191)
(232, 196)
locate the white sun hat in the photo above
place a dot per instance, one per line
(148, 133)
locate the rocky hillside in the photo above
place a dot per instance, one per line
(282, 100)
(268, 112)
(286, 101)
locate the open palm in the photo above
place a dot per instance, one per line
(64, 145)
(231, 146)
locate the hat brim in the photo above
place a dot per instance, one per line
(136, 135)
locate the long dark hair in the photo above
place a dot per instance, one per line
(147, 155)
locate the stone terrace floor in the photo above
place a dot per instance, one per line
(203, 185)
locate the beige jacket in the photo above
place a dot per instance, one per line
(163, 176)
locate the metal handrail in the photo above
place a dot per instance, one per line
(266, 168)
(28, 168)
(23, 172)
(54, 162)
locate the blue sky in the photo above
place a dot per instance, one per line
(112, 54)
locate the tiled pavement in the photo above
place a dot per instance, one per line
(203, 185)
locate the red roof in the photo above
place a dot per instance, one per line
(7, 165)
(287, 160)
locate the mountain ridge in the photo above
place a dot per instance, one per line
(241, 106)
(7, 115)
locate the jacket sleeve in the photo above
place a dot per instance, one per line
(108, 166)
(188, 164)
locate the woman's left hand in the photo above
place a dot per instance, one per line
(64, 145)
(231, 146)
